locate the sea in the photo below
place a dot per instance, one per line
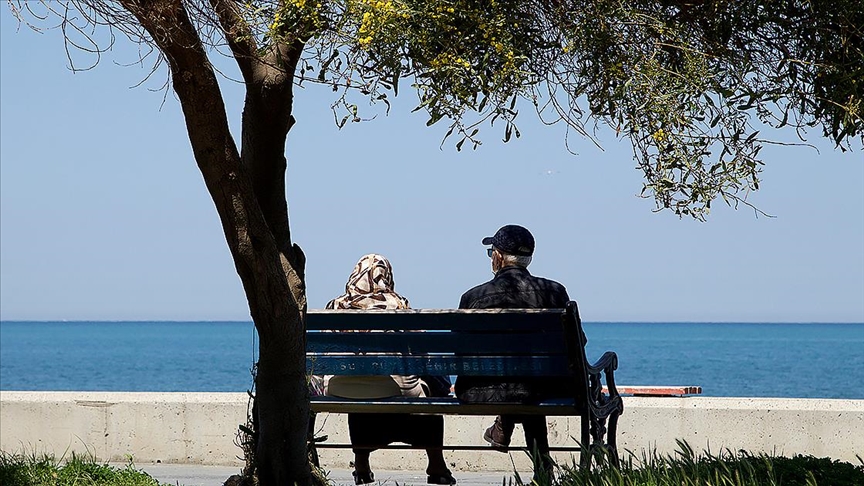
(805, 360)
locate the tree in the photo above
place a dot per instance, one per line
(682, 80)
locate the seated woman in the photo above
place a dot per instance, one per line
(370, 286)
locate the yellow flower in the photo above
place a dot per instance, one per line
(275, 24)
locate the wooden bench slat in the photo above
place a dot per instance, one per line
(443, 406)
(325, 445)
(501, 343)
(435, 319)
(353, 364)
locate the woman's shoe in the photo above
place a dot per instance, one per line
(446, 479)
(364, 477)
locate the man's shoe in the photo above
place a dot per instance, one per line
(543, 475)
(445, 479)
(364, 477)
(497, 437)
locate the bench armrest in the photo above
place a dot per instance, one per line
(604, 370)
(608, 362)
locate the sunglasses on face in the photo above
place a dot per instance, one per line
(489, 252)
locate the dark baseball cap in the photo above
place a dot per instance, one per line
(512, 239)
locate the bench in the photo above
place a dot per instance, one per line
(489, 342)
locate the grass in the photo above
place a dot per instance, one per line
(46, 470)
(683, 468)
(687, 468)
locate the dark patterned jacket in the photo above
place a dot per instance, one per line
(515, 288)
(512, 288)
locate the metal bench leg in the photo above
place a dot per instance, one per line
(585, 443)
(612, 439)
(310, 442)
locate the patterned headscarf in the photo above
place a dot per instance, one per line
(370, 286)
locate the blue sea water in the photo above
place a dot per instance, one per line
(725, 359)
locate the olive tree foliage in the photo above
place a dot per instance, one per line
(683, 80)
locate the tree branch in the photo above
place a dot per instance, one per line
(239, 36)
(256, 256)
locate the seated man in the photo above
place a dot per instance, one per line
(513, 287)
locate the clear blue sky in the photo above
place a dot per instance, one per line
(104, 215)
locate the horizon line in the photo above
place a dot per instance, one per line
(583, 320)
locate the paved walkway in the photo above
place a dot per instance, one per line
(190, 475)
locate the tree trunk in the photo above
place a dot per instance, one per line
(282, 397)
(283, 412)
(249, 196)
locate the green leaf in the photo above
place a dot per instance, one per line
(326, 64)
(433, 119)
(449, 132)
(483, 103)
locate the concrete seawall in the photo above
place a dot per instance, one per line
(199, 428)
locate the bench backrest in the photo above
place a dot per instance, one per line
(489, 342)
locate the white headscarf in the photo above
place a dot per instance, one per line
(370, 286)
